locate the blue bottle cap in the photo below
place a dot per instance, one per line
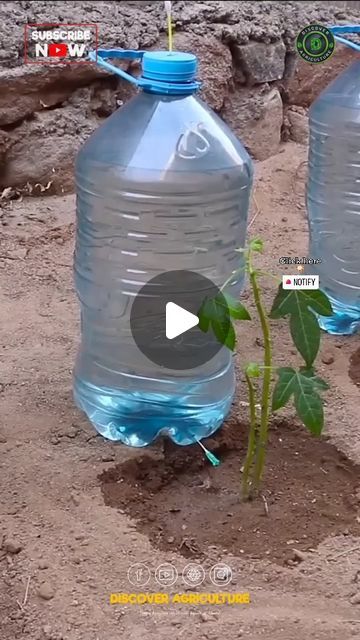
(167, 72)
(169, 66)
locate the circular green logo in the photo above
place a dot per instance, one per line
(315, 43)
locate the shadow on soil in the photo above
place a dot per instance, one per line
(354, 368)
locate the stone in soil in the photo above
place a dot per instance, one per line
(261, 62)
(75, 499)
(46, 591)
(42, 564)
(12, 546)
(108, 457)
(355, 599)
(302, 500)
(327, 358)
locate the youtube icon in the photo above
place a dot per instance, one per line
(164, 321)
(58, 50)
(59, 44)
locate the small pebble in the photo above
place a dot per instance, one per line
(108, 457)
(300, 556)
(206, 617)
(327, 358)
(42, 564)
(16, 615)
(12, 546)
(176, 623)
(79, 536)
(48, 632)
(291, 563)
(171, 539)
(3, 440)
(54, 440)
(211, 635)
(75, 499)
(355, 599)
(46, 591)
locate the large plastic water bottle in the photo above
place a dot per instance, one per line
(333, 194)
(162, 185)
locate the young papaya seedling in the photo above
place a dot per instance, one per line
(276, 386)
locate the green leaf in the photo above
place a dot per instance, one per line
(290, 301)
(309, 407)
(253, 370)
(203, 315)
(214, 314)
(318, 301)
(304, 387)
(256, 245)
(282, 304)
(305, 332)
(235, 308)
(230, 339)
(284, 387)
(318, 382)
(221, 328)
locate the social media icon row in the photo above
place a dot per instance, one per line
(166, 575)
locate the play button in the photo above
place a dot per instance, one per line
(164, 320)
(178, 320)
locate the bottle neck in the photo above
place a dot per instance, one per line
(169, 94)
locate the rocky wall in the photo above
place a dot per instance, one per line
(250, 73)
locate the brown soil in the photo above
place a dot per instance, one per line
(184, 504)
(354, 368)
(73, 550)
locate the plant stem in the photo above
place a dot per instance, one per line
(246, 485)
(265, 396)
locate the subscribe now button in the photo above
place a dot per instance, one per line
(300, 282)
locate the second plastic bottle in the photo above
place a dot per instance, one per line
(333, 195)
